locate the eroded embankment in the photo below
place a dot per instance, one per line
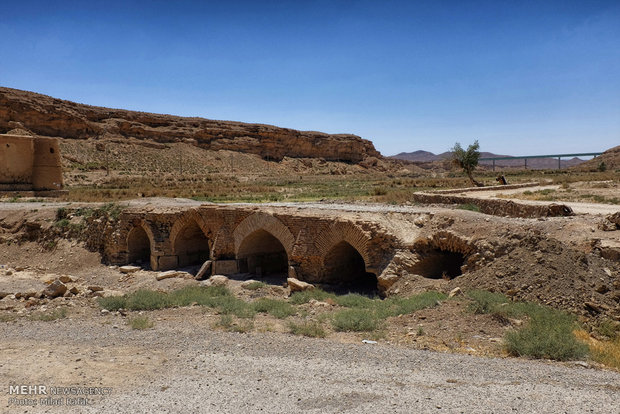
(551, 261)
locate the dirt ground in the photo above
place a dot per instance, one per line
(553, 261)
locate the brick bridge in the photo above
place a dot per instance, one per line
(319, 246)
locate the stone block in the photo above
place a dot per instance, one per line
(225, 267)
(167, 262)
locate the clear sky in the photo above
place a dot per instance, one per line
(522, 77)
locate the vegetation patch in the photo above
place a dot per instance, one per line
(278, 308)
(299, 298)
(604, 352)
(485, 302)
(312, 329)
(548, 333)
(56, 314)
(355, 320)
(470, 207)
(255, 285)
(385, 308)
(140, 323)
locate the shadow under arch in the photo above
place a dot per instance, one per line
(190, 244)
(262, 254)
(344, 270)
(138, 246)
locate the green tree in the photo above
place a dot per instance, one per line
(467, 160)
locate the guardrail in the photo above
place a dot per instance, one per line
(527, 157)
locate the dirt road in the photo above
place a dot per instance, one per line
(190, 368)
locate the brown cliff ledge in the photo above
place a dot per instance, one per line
(47, 116)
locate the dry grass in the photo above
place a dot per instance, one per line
(186, 171)
(605, 352)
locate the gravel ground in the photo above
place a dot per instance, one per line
(190, 368)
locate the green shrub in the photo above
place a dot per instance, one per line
(608, 328)
(311, 329)
(7, 317)
(61, 214)
(112, 210)
(485, 302)
(62, 223)
(548, 334)
(278, 308)
(255, 285)
(355, 320)
(405, 306)
(231, 305)
(225, 321)
(299, 298)
(56, 314)
(201, 295)
(112, 303)
(147, 300)
(140, 323)
(354, 300)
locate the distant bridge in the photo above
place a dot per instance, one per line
(527, 157)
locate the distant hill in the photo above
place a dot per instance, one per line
(611, 158)
(537, 163)
(419, 156)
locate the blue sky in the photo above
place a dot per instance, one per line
(522, 77)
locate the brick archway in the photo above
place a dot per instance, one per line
(267, 223)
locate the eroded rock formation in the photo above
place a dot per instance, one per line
(47, 116)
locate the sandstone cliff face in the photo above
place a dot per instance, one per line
(48, 116)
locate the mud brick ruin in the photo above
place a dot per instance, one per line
(30, 164)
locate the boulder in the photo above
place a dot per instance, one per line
(615, 219)
(55, 289)
(66, 279)
(170, 274)
(205, 269)
(129, 269)
(455, 292)
(297, 285)
(216, 280)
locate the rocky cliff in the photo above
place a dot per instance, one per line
(47, 116)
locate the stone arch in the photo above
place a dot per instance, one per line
(345, 260)
(347, 232)
(263, 245)
(262, 253)
(189, 239)
(140, 244)
(444, 255)
(268, 223)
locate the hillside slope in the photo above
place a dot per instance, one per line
(611, 158)
(47, 116)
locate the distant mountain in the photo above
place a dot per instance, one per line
(535, 163)
(426, 156)
(419, 156)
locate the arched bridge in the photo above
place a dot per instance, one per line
(324, 247)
